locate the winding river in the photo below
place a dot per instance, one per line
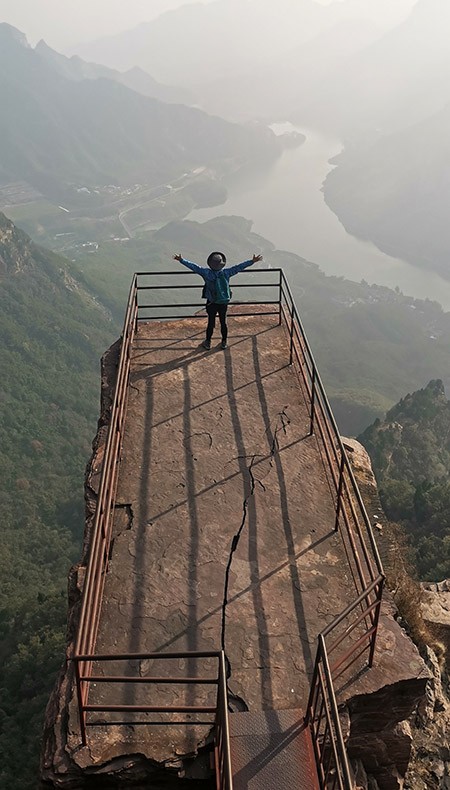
(287, 206)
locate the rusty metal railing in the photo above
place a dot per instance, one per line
(128, 712)
(155, 310)
(322, 717)
(357, 624)
(351, 519)
(101, 532)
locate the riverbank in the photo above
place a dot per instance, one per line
(287, 205)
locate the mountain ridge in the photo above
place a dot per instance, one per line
(89, 132)
(135, 78)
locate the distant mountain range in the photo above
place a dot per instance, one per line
(56, 131)
(200, 44)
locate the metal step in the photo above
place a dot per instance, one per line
(272, 749)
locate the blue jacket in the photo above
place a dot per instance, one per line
(209, 275)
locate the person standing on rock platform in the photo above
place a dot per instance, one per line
(216, 290)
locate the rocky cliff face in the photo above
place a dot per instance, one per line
(15, 248)
(435, 608)
(418, 748)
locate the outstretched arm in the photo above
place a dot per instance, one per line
(193, 266)
(241, 266)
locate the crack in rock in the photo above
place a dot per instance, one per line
(201, 433)
(281, 425)
(234, 545)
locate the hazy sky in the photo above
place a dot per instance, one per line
(63, 23)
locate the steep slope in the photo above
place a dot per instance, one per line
(410, 452)
(58, 131)
(52, 333)
(396, 191)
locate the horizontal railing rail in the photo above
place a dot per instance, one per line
(146, 283)
(357, 625)
(218, 712)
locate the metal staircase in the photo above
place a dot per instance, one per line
(272, 749)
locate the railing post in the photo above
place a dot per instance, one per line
(313, 399)
(291, 349)
(223, 715)
(136, 306)
(81, 711)
(312, 689)
(337, 741)
(280, 296)
(375, 624)
(339, 496)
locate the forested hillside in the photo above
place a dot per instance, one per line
(52, 333)
(410, 452)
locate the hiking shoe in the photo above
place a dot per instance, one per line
(224, 344)
(206, 344)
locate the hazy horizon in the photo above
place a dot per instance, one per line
(43, 19)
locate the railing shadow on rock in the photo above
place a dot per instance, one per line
(358, 624)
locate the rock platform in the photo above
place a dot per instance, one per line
(224, 536)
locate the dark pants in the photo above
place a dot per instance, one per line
(212, 309)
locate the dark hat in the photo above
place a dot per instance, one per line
(216, 261)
